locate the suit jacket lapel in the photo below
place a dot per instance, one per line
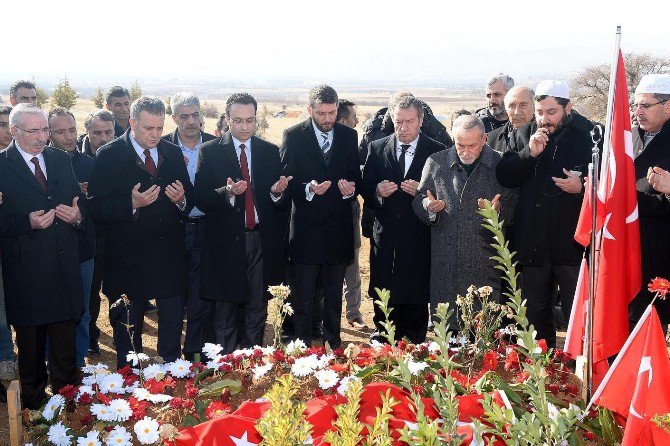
(416, 166)
(390, 150)
(50, 163)
(21, 168)
(308, 130)
(229, 151)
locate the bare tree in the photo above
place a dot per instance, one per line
(591, 86)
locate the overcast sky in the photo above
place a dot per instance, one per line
(392, 41)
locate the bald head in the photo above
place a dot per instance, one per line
(519, 105)
(469, 138)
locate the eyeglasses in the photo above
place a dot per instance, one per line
(644, 106)
(34, 132)
(4, 125)
(249, 121)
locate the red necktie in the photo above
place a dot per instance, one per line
(39, 175)
(149, 163)
(249, 193)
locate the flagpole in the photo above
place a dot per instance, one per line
(594, 171)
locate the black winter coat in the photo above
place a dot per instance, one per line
(400, 242)
(546, 217)
(223, 274)
(145, 251)
(40, 268)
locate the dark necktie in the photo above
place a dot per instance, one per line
(249, 193)
(149, 163)
(401, 159)
(39, 174)
(325, 147)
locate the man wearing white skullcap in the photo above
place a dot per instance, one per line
(554, 154)
(651, 146)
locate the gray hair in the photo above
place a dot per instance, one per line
(322, 94)
(395, 97)
(468, 122)
(186, 99)
(15, 116)
(150, 104)
(507, 80)
(101, 113)
(407, 101)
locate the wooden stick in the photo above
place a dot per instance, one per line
(14, 410)
(581, 371)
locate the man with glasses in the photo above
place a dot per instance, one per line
(554, 154)
(42, 211)
(239, 186)
(651, 148)
(189, 137)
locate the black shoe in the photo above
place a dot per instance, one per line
(149, 308)
(94, 348)
(3, 394)
(317, 332)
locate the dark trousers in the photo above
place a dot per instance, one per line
(170, 320)
(288, 327)
(243, 324)
(538, 284)
(410, 321)
(96, 287)
(199, 327)
(31, 342)
(306, 279)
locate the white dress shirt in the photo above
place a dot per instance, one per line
(192, 157)
(238, 152)
(27, 157)
(409, 154)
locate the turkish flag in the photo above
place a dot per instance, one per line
(618, 267)
(574, 338)
(644, 363)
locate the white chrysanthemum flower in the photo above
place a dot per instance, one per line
(214, 363)
(58, 435)
(141, 394)
(211, 350)
(135, 358)
(296, 346)
(261, 370)
(112, 383)
(287, 309)
(268, 351)
(146, 430)
(54, 403)
(243, 352)
(119, 436)
(91, 439)
(344, 384)
(102, 412)
(95, 368)
(154, 371)
(85, 389)
(302, 367)
(325, 360)
(416, 367)
(180, 368)
(120, 409)
(90, 380)
(159, 398)
(327, 378)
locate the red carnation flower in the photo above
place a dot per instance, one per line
(660, 286)
(176, 403)
(191, 392)
(69, 392)
(86, 419)
(542, 343)
(490, 361)
(125, 371)
(138, 407)
(217, 409)
(512, 361)
(85, 399)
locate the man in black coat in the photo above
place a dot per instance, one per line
(651, 146)
(321, 156)
(140, 190)
(240, 188)
(117, 101)
(548, 170)
(40, 262)
(188, 136)
(400, 242)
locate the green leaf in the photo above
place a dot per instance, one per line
(215, 388)
(189, 421)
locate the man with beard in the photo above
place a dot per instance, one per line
(651, 146)
(321, 156)
(22, 92)
(189, 137)
(548, 169)
(117, 101)
(400, 243)
(493, 115)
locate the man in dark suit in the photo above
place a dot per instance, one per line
(400, 242)
(321, 156)
(239, 187)
(189, 138)
(40, 263)
(140, 190)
